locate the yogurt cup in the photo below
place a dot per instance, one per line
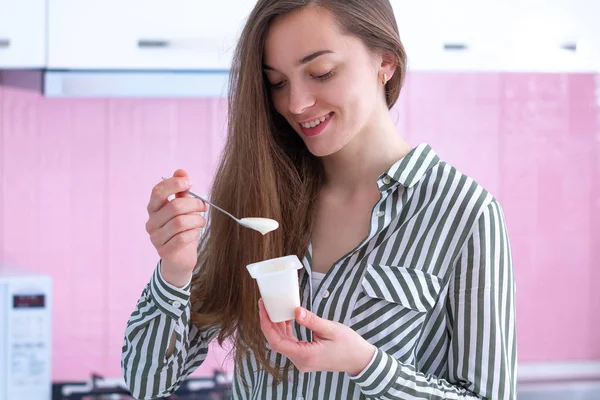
(277, 280)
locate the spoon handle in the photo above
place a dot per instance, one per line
(206, 201)
(217, 207)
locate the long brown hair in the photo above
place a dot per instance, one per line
(267, 171)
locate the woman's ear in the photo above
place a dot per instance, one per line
(389, 63)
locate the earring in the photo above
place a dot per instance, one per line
(384, 79)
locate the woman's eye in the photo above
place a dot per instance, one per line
(324, 76)
(281, 84)
(277, 85)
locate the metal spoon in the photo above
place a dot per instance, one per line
(262, 225)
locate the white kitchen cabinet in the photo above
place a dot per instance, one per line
(22, 33)
(551, 35)
(139, 48)
(441, 35)
(144, 34)
(493, 35)
(449, 36)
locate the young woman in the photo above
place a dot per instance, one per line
(407, 290)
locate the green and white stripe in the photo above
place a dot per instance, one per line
(432, 287)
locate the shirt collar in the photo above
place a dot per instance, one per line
(411, 168)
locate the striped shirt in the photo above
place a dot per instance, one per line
(431, 286)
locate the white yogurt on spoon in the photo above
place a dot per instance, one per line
(262, 225)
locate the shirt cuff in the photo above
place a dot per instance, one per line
(379, 375)
(169, 298)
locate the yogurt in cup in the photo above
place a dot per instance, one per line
(277, 280)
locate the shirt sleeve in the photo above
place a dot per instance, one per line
(161, 310)
(482, 361)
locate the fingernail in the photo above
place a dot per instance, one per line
(302, 313)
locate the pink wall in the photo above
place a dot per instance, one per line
(76, 175)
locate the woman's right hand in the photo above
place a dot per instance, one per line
(174, 227)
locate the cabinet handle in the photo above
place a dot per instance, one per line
(152, 43)
(571, 46)
(4, 42)
(455, 46)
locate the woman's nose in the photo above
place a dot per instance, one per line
(300, 98)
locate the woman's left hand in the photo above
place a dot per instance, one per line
(335, 347)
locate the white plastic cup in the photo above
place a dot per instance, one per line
(277, 280)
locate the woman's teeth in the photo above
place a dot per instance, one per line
(314, 123)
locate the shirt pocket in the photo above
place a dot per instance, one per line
(391, 309)
(411, 288)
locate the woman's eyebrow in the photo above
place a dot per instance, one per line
(304, 60)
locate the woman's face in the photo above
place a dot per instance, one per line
(326, 84)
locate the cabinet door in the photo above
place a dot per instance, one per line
(549, 35)
(508, 35)
(448, 36)
(144, 34)
(22, 33)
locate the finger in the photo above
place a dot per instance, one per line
(305, 355)
(180, 173)
(282, 344)
(280, 327)
(277, 330)
(288, 329)
(162, 190)
(178, 241)
(267, 326)
(321, 327)
(176, 207)
(176, 226)
(283, 329)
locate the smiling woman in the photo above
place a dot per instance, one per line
(407, 286)
(325, 95)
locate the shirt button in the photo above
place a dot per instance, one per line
(386, 180)
(176, 304)
(380, 214)
(326, 294)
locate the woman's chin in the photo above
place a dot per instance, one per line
(322, 150)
